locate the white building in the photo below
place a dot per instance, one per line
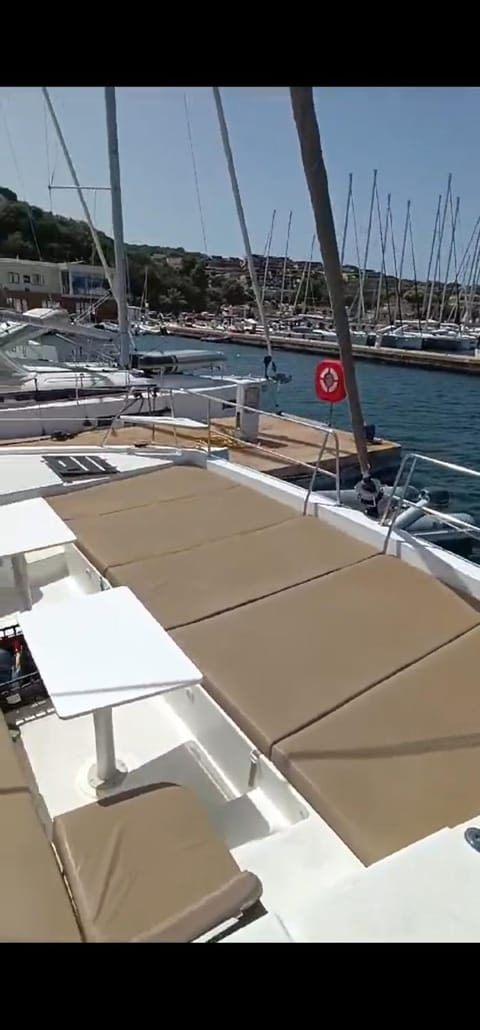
(71, 278)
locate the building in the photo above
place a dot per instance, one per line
(21, 276)
(79, 280)
(74, 285)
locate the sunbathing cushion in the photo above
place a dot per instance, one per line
(34, 903)
(400, 762)
(278, 664)
(203, 581)
(139, 533)
(148, 867)
(168, 484)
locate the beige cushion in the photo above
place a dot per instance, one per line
(190, 585)
(278, 664)
(139, 533)
(166, 484)
(149, 867)
(401, 761)
(34, 904)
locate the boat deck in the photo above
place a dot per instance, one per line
(284, 447)
(336, 721)
(264, 601)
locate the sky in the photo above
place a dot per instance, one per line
(413, 136)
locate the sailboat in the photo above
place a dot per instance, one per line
(97, 374)
(232, 713)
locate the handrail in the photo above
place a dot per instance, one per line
(404, 502)
(327, 430)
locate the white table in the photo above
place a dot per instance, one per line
(29, 526)
(98, 651)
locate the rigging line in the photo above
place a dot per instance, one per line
(398, 305)
(195, 173)
(47, 151)
(240, 213)
(383, 268)
(414, 269)
(357, 252)
(21, 181)
(70, 165)
(454, 246)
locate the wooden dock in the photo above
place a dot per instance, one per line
(457, 363)
(284, 448)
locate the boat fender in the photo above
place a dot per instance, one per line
(369, 492)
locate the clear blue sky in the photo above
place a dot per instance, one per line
(413, 136)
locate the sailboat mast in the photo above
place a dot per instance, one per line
(117, 222)
(347, 213)
(284, 273)
(240, 213)
(316, 176)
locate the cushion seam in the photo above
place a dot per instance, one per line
(366, 690)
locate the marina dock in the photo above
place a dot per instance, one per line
(284, 448)
(458, 363)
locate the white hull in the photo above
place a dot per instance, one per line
(23, 420)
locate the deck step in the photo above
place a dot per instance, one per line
(426, 893)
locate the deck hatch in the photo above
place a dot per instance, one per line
(78, 466)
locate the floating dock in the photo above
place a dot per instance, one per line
(459, 363)
(284, 448)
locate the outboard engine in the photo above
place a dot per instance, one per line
(370, 493)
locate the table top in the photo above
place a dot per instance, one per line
(102, 650)
(31, 526)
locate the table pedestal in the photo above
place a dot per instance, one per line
(107, 771)
(20, 576)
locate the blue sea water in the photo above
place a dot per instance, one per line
(435, 413)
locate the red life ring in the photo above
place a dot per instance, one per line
(330, 381)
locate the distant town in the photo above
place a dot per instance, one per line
(47, 259)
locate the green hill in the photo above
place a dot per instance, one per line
(31, 233)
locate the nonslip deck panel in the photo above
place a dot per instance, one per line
(281, 663)
(401, 761)
(150, 868)
(203, 581)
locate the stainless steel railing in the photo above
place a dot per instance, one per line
(399, 498)
(327, 432)
(213, 427)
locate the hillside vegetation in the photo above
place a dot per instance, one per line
(29, 232)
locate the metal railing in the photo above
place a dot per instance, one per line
(399, 498)
(225, 436)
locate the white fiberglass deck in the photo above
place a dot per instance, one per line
(24, 474)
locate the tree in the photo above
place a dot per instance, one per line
(234, 292)
(8, 194)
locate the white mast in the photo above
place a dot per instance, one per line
(284, 273)
(117, 221)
